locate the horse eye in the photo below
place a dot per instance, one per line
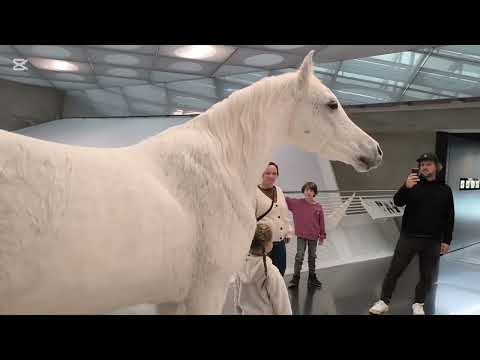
(333, 105)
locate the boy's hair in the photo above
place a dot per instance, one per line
(263, 235)
(311, 186)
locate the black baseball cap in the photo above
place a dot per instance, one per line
(428, 157)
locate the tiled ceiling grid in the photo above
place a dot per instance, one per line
(160, 79)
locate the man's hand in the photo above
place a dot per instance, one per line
(321, 239)
(444, 248)
(412, 180)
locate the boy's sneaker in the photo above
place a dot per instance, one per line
(313, 281)
(379, 308)
(294, 282)
(418, 309)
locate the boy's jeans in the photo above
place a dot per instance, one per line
(312, 255)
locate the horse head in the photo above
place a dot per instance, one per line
(320, 124)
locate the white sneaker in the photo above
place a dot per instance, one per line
(418, 309)
(379, 308)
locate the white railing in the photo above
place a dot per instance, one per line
(332, 199)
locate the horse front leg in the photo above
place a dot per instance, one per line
(171, 309)
(207, 297)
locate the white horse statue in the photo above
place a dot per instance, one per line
(166, 221)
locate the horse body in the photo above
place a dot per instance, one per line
(165, 221)
(90, 230)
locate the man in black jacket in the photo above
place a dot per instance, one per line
(427, 228)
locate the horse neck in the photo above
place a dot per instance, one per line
(248, 127)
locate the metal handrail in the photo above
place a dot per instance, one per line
(330, 204)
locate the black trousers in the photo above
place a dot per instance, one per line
(279, 256)
(428, 251)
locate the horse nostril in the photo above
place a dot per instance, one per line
(364, 160)
(379, 150)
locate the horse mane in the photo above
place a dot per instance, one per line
(237, 119)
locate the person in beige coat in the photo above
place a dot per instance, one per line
(282, 231)
(259, 288)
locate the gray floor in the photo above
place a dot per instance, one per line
(457, 291)
(350, 290)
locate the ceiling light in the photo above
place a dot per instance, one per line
(178, 112)
(195, 51)
(53, 65)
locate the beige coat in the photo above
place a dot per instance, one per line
(277, 218)
(255, 296)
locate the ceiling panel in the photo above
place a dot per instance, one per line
(430, 90)
(231, 69)
(192, 102)
(366, 95)
(6, 49)
(438, 82)
(139, 49)
(468, 52)
(376, 70)
(60, 52)
(282, 71)
(118, 71)
(346, 52)
(122, 59)
(326, 68)
(351, 97)
(107, 97)
(66, 76)
(201, 87)
(247, 78)
(152, 93)
(65, 85)
(162, 76)
(187, 66)
(116, 90)
(381, 92)
(145, 108)
(226, 88)
(411, 95)
(7, 60)
(263, 59)
(457, 67)
(110, 81)
(301, 50)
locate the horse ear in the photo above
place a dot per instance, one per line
(306, 70)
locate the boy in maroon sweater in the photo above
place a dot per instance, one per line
(309, 223)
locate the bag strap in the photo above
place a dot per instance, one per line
(271, 206)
